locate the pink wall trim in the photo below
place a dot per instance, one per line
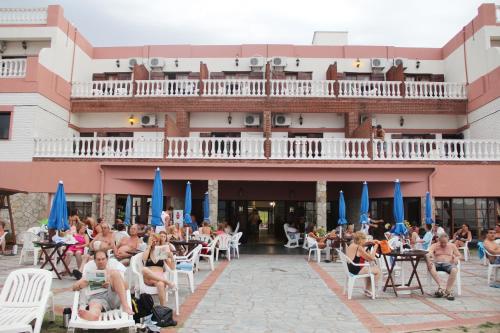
(8, 109)
(484, 90)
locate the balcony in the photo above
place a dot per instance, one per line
(278, 88)
(12, 68)
(23, 16)
(305, 149)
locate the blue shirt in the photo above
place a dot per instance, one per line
(427, 240)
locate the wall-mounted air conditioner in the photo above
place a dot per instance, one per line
(132, 62)
(278, 62)
(252, 120)
(401, 61)
(256, 63)
(282, 120)
(148, 120)
(378, 63)
(156, 63)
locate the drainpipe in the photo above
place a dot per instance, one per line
(466, 75)
(429, 181)
(101, 196)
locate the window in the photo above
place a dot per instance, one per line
(83, 209)
(5, 125)
(495, 41)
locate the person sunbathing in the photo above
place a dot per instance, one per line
(77, 250)
(114, 291)
(128, 245)
(104, 240)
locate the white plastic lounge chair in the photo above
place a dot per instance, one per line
(350, 279)
(235, 244)
(2, 239)
(187, 265)
(24, 299)
(292, 238)
(211, 252)
(223, 245)
(29, 247)
(491, 267)
(313, 247)
(465, 248)
(444, 275)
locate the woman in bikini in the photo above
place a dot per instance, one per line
(357, 254)
(153, 269)
(461, 236)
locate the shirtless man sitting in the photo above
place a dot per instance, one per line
(443, 256)
(103, 241)
(127, 245)
(492, 247)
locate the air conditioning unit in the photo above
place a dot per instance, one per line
(256, 62)
(401, 61)
(156, 63)
(132, 62)
(252, 120)
(148, 120)
(378, 63)
(282, 120)
(278, 62)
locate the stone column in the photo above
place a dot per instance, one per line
(213, 199)
(109, 209)
(321, 203)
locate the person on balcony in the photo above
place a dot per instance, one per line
(379, 134)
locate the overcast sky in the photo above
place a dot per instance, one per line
(420, 23)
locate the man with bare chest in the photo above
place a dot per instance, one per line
(443, 256)
(128, 245)
(103, 241)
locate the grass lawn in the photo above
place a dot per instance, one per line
(487, 327)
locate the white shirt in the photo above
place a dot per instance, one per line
(91, 267)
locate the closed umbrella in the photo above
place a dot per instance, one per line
(58, 218)
(398, 210)
(206, 208)
(428, 209)
(342, 220)
(157, 200)
(128, 210)
(365, 206)
(188, 204)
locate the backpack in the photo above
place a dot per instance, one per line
(163, 316)
(142, 306)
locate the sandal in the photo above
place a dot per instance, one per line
(439, 293)
(368, 293)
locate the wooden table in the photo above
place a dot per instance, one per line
(337, 243)
(414, 257)
(191, 244)
(56, 247)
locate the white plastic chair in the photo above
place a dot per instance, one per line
(293, 240)
(491, 267)
(465, 248)
(24, 299)
(187, 265)
(223, 245)
(29, 247)
(237, 228)
(211, 252)
(142, 288)
(204, 238)
(443, 275)
(235, 244)
(313, 247)
(350, 279)
(2, 239)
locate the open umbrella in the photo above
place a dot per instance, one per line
(365, 205)
(58, 218)
(206, 208)
(128, 210)
(428, 209)
(398, 210)
(157, 200)
(342, 221)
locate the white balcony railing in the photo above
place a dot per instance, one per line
(23, 15)
(151, 88)
(111, 147)
(112, 88)
(370, 89)
(215, 148)
(437, 150)
(302, 88)
(435, 90)
(319, 149)
(12, 68)
(234, 87)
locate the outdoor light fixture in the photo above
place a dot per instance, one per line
(236, 61)
(401, 121)
(301, 120)
(118, 63)
(229, 119)
(357, 63)
(24, 44)
(417, 64)
(176, 62)
(272, 204)
(131, 120)
(297, 62)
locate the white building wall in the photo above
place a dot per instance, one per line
(416, 121)
(485, 122)
(113, 119)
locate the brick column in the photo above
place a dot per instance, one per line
(266, 126)
(182, 121)
(203, 76)
(268, 79)
(321, 203)
(139, 72)
(109, 209)
(331, 74)
(351, 122)
(397, 74)
(213, 199)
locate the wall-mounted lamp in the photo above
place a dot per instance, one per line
(272, 203)
(301, 120)
(417, 64)
(176, 62)
(229, 119)
(297, 62)
(401, 121)
(357, 63)
(236, 61)
(118, 63)
(131, 120)
(24, 44)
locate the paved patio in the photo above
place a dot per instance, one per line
(285, 293)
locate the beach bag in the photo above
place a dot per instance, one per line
(384, 247)
(163, 316)
(142, 306)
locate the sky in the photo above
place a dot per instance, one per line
(418, 23)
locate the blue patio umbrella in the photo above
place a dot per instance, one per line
(398, 210)
(187, 208)
(58, 218)
(342, 220)
(128, 210)
(157, 200)
(206, 208)
(428, 209)
(365, 205)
